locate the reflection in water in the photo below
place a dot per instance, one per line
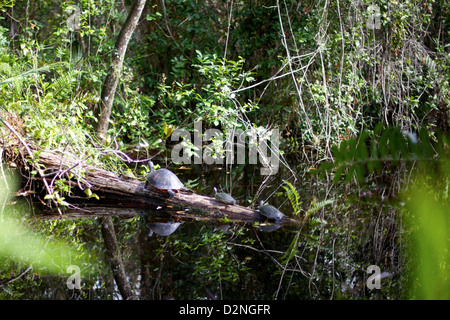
(232, 260)
(267, 227)
(224, 259)
(163, 228)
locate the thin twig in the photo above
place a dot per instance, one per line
(289, 59)
(228, 30)
(20, 275)
(1, 168)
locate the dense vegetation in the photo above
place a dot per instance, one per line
(362, 85)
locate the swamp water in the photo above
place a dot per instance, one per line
(329, 255)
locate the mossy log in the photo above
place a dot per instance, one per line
(111, 188)
(131, 192)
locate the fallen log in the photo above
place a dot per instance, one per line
(56, 164)
(132, 192)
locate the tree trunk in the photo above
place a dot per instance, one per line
(117, 267)
(115, 71)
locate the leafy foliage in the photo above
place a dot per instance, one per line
(31, 252)
(294, 199)
(357, 157)
(426, 218)
(293, 196)
(215, 261)
(314, 69)
(211, 98)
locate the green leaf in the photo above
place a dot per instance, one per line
(293, 197)
(292, 250)
(318, 206)
(426, 148)
(383, 143)
(338, 174)
(350, 173)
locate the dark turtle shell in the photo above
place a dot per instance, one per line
(163, 180)
(270, 212)
(224, 197)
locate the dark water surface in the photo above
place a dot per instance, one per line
(326, 256)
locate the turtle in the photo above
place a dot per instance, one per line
(164, 180)
(270, 212)
(224, 197)
(163, 228)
